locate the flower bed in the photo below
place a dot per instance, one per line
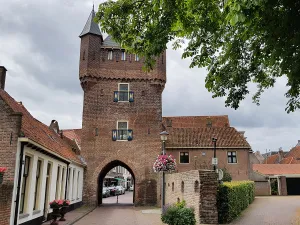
(164, 163)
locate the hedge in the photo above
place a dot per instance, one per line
(233, 197)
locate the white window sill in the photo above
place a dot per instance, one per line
(23, 215)
(36, 212)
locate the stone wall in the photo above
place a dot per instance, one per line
(199, 189)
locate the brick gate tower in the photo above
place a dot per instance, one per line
(122, 114)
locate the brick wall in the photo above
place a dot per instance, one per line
(201, 159)
(10, 124)
(198, 189)
(262, 188)
(5, 203)
(282, 186)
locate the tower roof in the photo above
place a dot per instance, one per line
(109, 42)
(91, 27)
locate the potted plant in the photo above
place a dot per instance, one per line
(2, 171)
(164, 163)
(55, 205)
(64, 209)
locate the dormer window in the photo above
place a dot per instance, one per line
(123, 56)
(110, 55)
(137, 58)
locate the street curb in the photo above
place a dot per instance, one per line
(80, 217)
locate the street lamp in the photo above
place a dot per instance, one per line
(214, 140)
(163, 137)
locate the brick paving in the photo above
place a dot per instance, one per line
(281, 210)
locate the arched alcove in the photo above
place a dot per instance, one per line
(103, 173)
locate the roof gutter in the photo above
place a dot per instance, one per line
(208, 147)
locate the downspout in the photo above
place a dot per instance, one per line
(19, 183)
(67, 177)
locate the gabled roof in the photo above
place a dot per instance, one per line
(277, 169)
(294, 152)
(110, 43)
(39, 132)
(73, 134)
(202, 137)
(272, 159)
(91, 27)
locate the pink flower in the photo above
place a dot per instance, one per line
(3, 169)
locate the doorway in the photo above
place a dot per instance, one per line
(116, 184)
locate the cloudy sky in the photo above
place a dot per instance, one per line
(39, 46)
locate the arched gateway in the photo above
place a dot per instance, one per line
(122, 114)
(104, 172)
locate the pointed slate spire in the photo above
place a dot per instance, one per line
(91, 27)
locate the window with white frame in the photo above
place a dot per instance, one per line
(110, 55)
(37, 185)
(57, 190)
(123, 56)
(231, 156)
(122, 130)
(137, 58)
(184, 157)
(123, 90)
(78, 175)
(73, 187)
(63, 182)
(24, 188)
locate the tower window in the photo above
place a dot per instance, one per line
(122, 130)
(123, 56)
(123, 92)
(110, 55)
(137, 58)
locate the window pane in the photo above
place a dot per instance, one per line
(184, 157)
(234, 160)
(123, 96)
(228, 153)
(233, 153)
(122, 125)
(123, 87)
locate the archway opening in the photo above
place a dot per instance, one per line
(116, 184)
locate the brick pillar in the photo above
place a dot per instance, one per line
(2, 77)
(208, 197)
(283, 187)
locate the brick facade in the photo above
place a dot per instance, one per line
(99, 79)
(10, 125)
(202, 159)
(199, 189)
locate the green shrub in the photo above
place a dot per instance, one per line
(233, 198)
(226, 175)
(178, 214)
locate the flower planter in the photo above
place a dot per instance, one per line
(63, 211)
(54, 215)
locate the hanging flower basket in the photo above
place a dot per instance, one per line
(2, 171)
(164, 163)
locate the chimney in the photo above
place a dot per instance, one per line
(2, 77)
(298, 144)
(280, 154)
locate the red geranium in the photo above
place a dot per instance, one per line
(3, 169)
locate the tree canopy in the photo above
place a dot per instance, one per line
(238, 41)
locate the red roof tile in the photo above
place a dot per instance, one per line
(202, 137)
(294, 152)
(39, 132)
(73, 134)
(277, 169)
(272, 159)
(196, 121)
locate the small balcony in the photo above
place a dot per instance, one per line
(123, 96)
(122, 135)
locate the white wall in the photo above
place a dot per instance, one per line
(29, 213)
